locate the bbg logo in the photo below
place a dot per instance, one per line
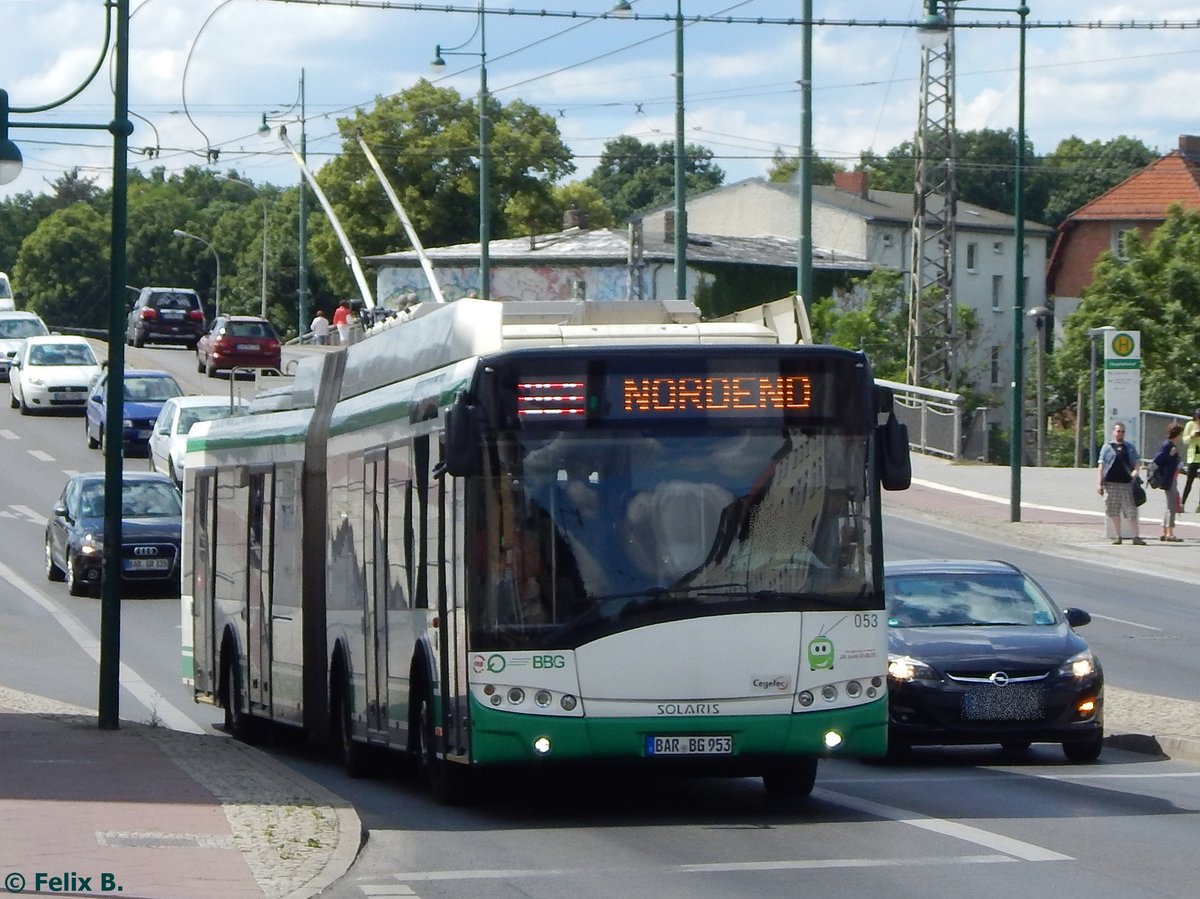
(549, 661)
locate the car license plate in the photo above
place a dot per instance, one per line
(147, 564)
(1016, 702)
(70, 396)
(247, 347)
(689, 745)
(172, 315)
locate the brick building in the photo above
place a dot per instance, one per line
(1139, 203)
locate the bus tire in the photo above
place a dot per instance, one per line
(238, 724)
(792, 779)
(445, 780)
(353, 755)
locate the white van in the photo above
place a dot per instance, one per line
(6, 294)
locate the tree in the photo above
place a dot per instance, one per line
(868, 318)
(1078, 172)
(1154, 287)
(784, 168)
(634, 177)
(984, 171)
(426, 139)
(63, 268)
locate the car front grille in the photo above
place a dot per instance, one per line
(146, 561)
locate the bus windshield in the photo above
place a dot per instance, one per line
(587, 533)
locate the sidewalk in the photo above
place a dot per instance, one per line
(1062, 514)
(150, 812)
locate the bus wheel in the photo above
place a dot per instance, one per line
(790, 780)
(238, 724)
(353, 754)
(446, 782)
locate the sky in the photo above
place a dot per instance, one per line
(203, 73)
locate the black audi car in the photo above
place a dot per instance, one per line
(979, 653)
(151, 521)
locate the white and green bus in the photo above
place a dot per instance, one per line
(491, 536)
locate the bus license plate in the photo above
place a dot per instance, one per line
(684, 745)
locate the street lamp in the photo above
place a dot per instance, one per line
(1093, 333)
(178, 233)
(10, 153)
(265, 131)
(263, 199)
(1040, 315)
(109, 691)
(681, 231)
(485, 230)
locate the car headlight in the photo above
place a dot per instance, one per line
(906, 668)
(127, 423)
(91, 544)
(1080, 665)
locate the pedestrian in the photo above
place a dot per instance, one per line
(1119, 464)
(1191, 447)
(320, 328)
(1166, 466)
(341, 321)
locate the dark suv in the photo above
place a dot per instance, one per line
(165, 314)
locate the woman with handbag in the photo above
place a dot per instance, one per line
(1119, 463)
(1166, 464)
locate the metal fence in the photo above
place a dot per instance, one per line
(935, 419)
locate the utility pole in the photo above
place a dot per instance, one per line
(932, 329)
(302, 262)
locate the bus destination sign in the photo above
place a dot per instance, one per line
(719, 394)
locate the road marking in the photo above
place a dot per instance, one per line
(387, 889)
(155, 702)
(41, 455)
(28, 513)
(1124, 621)
(1019, 848)
(711, 868)
(8, 435)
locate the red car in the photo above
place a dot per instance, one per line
(237, 341)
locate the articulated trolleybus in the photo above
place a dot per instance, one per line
(491, 537)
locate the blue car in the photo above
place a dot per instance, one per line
(145, 392)
(151, 525)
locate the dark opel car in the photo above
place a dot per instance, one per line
(979, 653)
(151, 521)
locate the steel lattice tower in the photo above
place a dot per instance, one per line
(932, 327)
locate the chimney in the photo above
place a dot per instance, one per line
(575, 218)
(852, 182)
(1189, 146)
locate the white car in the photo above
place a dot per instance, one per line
(52, 372)
(14, 328)
(168, 438)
